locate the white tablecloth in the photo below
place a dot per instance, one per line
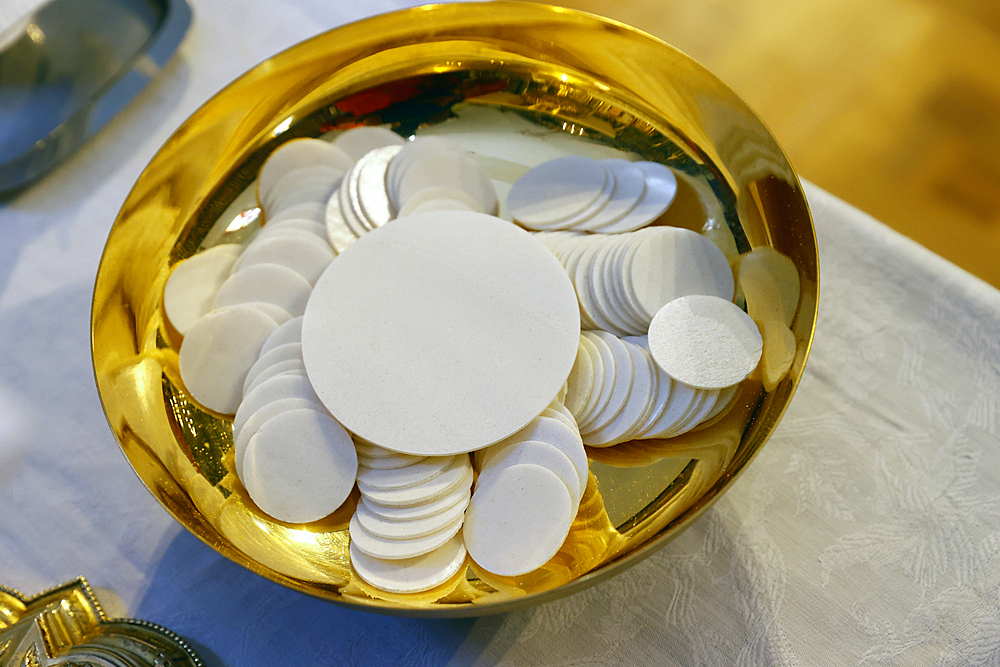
(866, 532)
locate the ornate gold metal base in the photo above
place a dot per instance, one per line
(66, 626)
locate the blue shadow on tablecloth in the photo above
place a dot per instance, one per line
(702, 589)
(235, 618)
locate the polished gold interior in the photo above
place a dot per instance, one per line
(568, 77)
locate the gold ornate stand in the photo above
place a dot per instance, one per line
(66, 626)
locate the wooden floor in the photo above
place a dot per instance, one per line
(892, 105)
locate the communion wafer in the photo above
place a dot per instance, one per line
(192, 284)
(282, 353)
(300, 465)
(523, 500)
(460, 494)
(288, 332)
(309, 210)
(387, 462)
(288, 224)
(396, 548)
(276, 388)
(288, 367)
(298, 153)
(359, 141)
(705, 342)
(401, 530)
(490, 298)
(418, 472)
(556, 190)
(253, 422)
(538, 453)
(218, 351)
(267, 283)
(457, 474)
(307, 255)
(411, 575)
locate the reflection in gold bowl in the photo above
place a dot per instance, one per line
(514, 82)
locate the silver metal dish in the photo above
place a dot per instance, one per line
(69, 67)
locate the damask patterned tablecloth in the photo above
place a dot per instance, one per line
(866, 532)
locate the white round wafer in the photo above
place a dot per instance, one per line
(674, 400)
(538, 453)
(597, 364)
(705, 407)
(621, 389)
(636, 407)
(661, 188)
(298, 153)
(402, 478)
(672, 262)
(701, 396)
(281, 230)
(374, 451)
(658, 396)
(518, 522)
(290, 367)
(288, 332)
(457, 474)
(350, 208)
(630, 189)
(490, 298)
(552, 432)
(242, 435)
(705, 342)
(266, 283)
(191, 287)
(562, 415)
(358, 141)
(588, 282)
(282, 353)
(277, 388)
(367, 185)
(454, 168)
(726, 398)
(614, 290)
(307, 255)
(218, 351)
(404, 530)
(299, 466)
(460, 494)
(571, 263)
(679, 402)
(556, 190)
(438, 205)
(411, 575)
(308, 210)
(606, 359)
(411, 153)
(276, 313)
(388, 462)
(286, 225)
(602, 289)
(584, 220)
(339, 234)
(623, 286)
(437, 194)
(394, 549)
(320, 178)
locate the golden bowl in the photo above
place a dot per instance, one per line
(508, 78)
